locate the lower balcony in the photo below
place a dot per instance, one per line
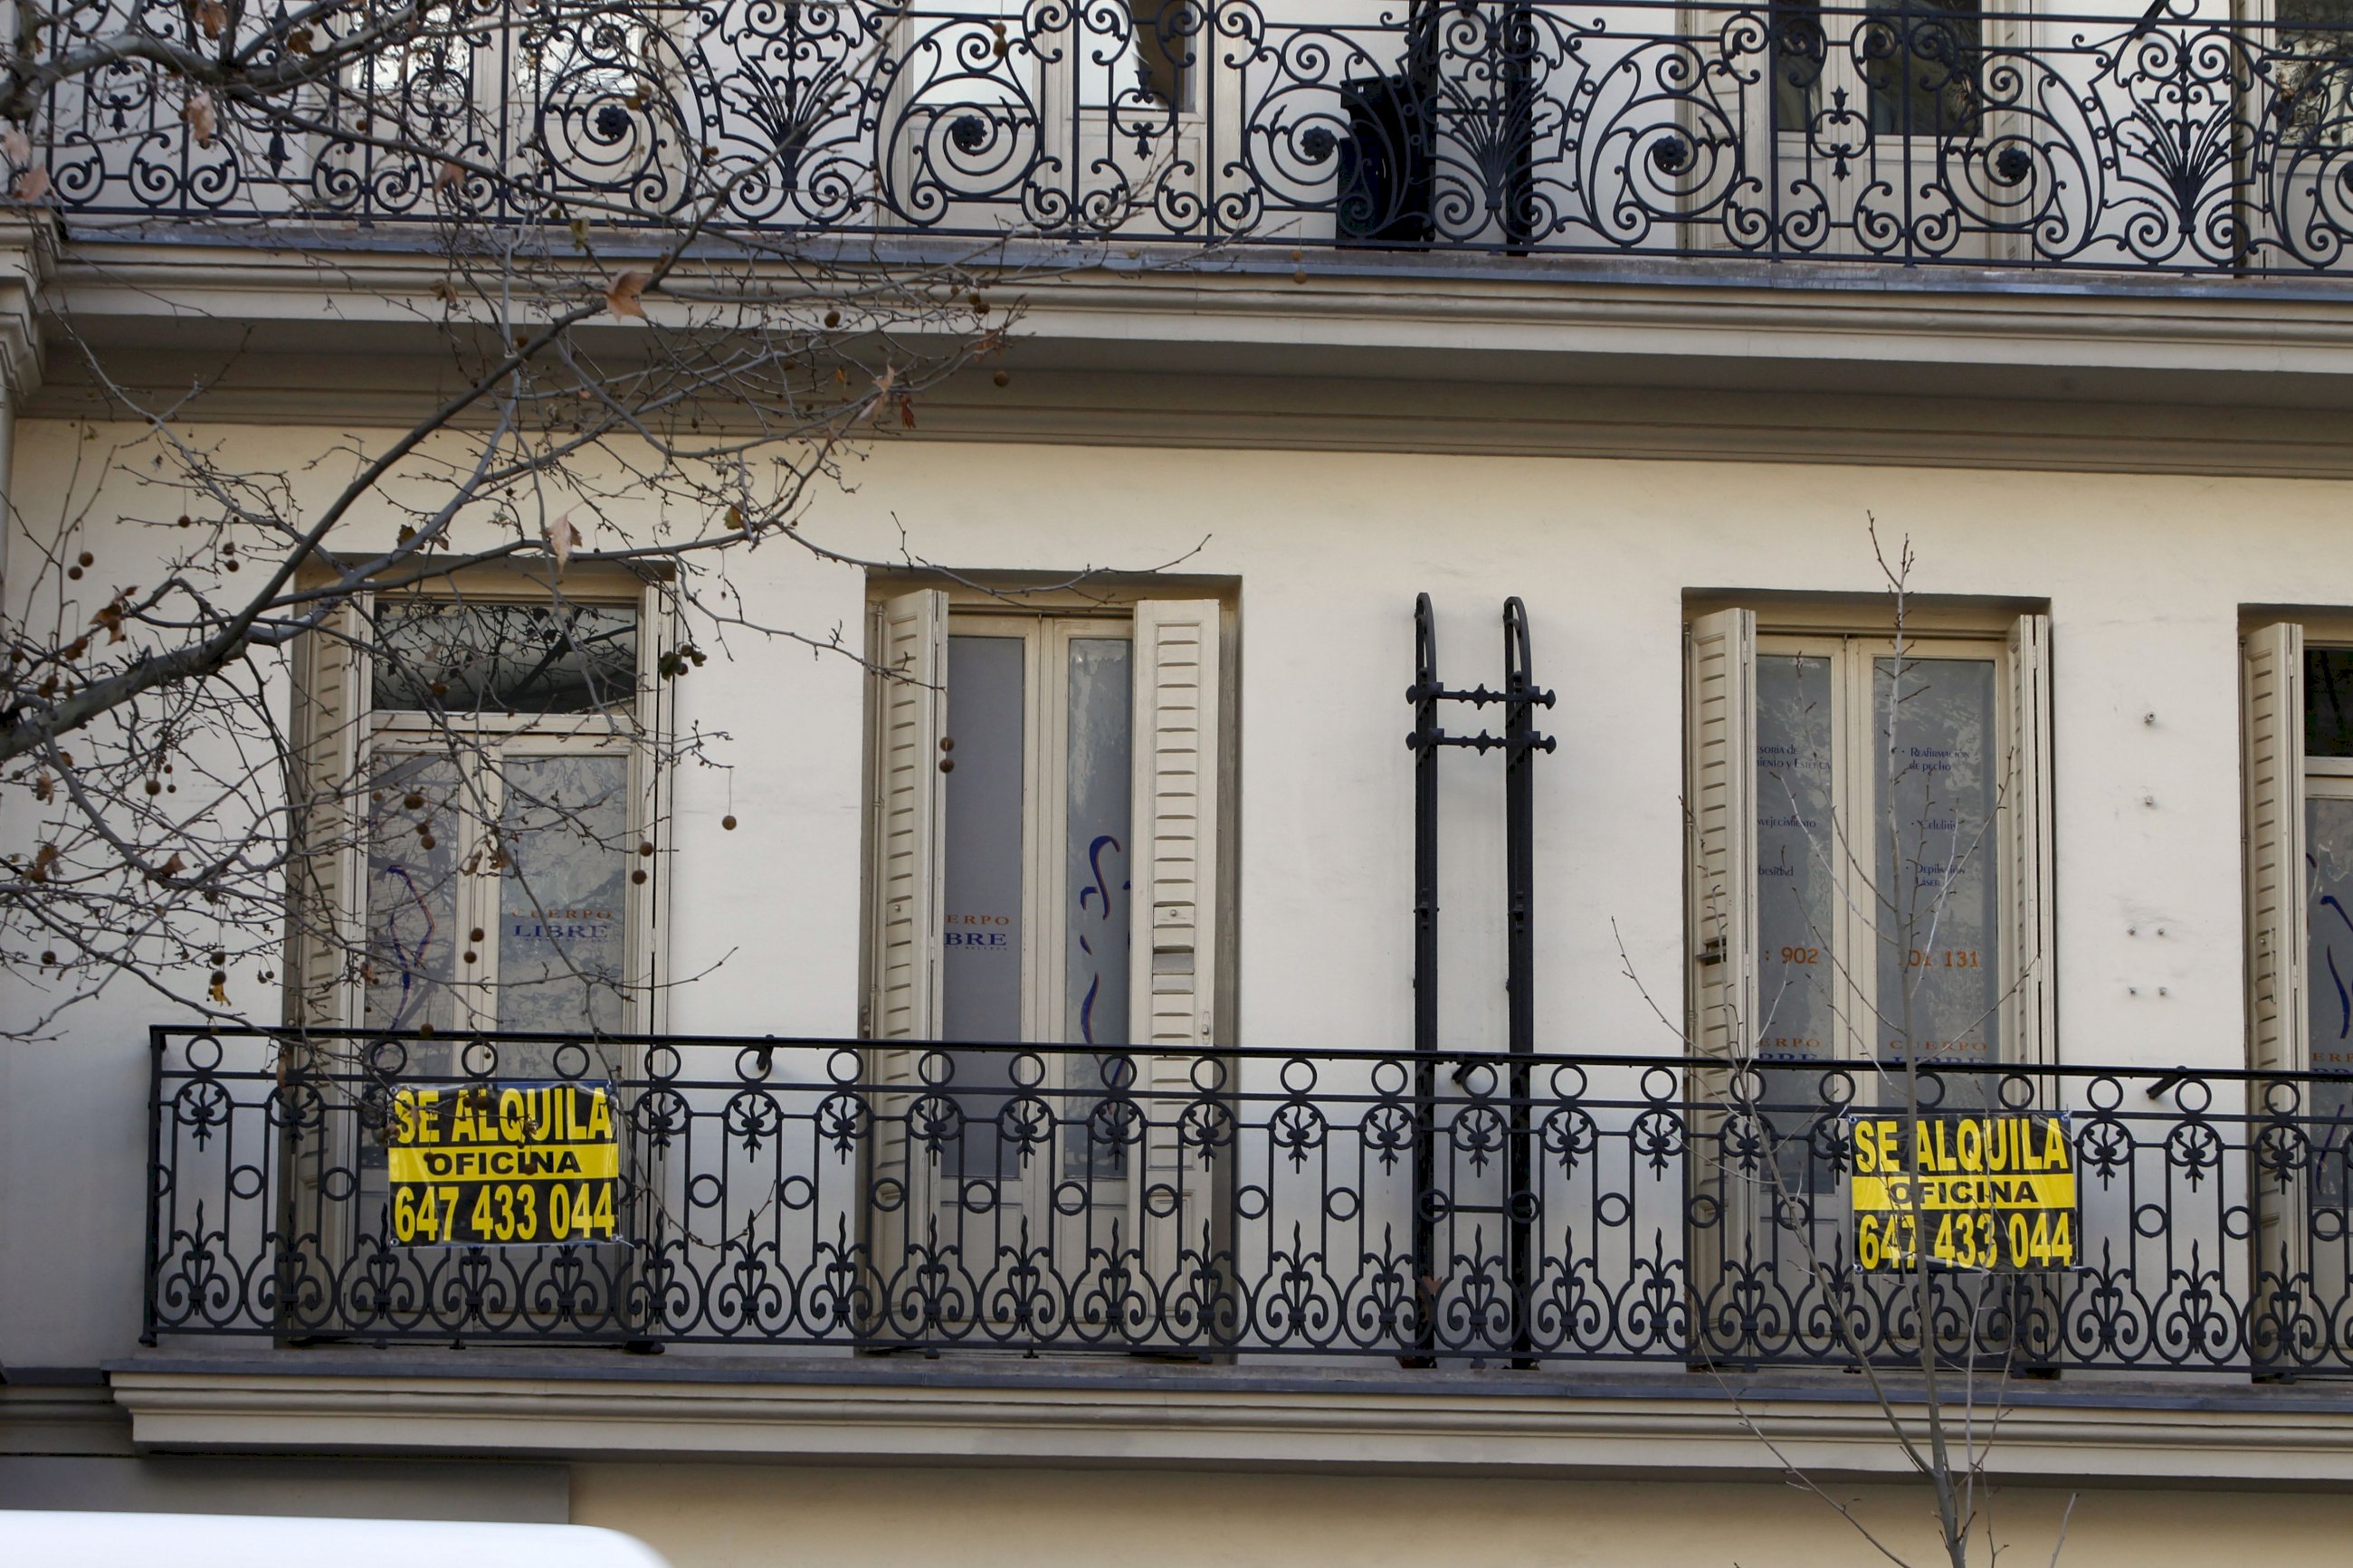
(1250, 1206)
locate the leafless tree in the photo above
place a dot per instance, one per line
(632, 384)
(1767, 1127)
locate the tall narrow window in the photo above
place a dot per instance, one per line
(1045, 833)
(2299, 721)
(1892, 813)
(502, 824)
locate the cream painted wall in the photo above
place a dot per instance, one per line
(2145, 576)
(747, 1517)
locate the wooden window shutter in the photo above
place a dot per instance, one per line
(911, 714)
(2274, 722)
(1720, 813)
(331, 699)
(910, 718)
(1172, 954)
(2272, 719)
(1172, 986)
(2030, 1010)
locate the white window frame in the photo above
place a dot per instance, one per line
(1181, 926)
(1723, 923)
(325, 987)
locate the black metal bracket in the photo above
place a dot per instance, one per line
(1519, 698)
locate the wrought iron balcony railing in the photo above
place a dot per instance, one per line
(1541, 1210)
(1957, 131)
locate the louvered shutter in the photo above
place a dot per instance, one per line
(2271, 718)
(2274, 699)
(1720, 809)
(2030, 1010)
(911, 717)
(329, 701)
(1720, 818)
(1172, 956)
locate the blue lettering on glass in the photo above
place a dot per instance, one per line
(1097, 890)
(2344, 999)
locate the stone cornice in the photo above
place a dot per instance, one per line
(28, 261)
(1678, 361)
(849, 1411)
(1841, 313)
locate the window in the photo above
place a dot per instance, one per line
(1869, 847)
(482, 824)
(1909, 64)
(2298, 713)
(2297, 722)
(1044, 868)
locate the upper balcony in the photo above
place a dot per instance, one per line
(2189, 141)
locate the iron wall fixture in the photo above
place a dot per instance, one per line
(1519, 1204)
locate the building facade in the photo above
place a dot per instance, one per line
(1324, 982)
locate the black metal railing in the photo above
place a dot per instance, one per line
(823, 1193)
(1903, 131)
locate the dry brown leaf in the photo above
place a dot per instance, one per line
(45, 789)
(621, 294)
(200, 117)
(110, 617)
(906, 411)
(212, 16)
(32, 186)
(561, 538)
(450, 176)
(173, 867)
(298, 42)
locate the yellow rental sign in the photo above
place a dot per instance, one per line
(1992, 1192)
(502, 1164)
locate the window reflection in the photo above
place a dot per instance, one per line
(1940, 961)
(412, 941)
(1919, 62)
(1095, 883)
(563, 892)
(471, 656)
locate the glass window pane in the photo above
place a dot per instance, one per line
(2312, 79)
(469, 656)
(414, 826)
(1937, 781)
(2328, 702)
(2328, 983)
(563, 895)
(1795, 854)
(1919, 59)
(1796, 909)
(981, 964)
(1800, 49)
(1096, 907)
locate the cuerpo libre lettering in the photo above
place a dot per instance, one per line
(978, 930)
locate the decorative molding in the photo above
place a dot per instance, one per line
(1496, 1422)
(62, 1419)
(1697, 361)
(28, 263)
